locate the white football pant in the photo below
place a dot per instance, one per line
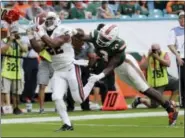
(70, 77)
(130, 73)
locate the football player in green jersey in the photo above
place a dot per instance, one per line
(112, 48)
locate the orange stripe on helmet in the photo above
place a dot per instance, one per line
(109, 29)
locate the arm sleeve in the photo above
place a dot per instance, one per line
(92, 34)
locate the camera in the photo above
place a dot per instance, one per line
(17, 36)
(154, 50)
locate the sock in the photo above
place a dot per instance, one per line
(61, 108)
(168, 107)
(157, 96)
(139, 100)
(87, 89)
(10, 110)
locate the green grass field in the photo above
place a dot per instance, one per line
(109, 127)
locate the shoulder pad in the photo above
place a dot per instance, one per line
(93, 33)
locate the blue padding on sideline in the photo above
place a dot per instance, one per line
(111, 20)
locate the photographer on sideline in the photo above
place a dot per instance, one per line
(10, 46)
(157, 76)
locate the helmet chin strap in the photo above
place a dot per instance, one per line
(51, 28)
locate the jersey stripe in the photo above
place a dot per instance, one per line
(122, 47)
(109, 29)
(80, 84)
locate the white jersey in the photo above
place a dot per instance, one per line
(64, 55)
(176, 37)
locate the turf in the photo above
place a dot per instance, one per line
(130, 127)
(125, 127)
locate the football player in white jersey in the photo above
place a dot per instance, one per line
(66, 73)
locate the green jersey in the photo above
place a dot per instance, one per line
(116, 47)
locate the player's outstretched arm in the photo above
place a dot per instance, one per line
(113, 63)
(87, 38)
(82, 36)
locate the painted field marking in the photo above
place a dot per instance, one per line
(84, 117)
(114, 125)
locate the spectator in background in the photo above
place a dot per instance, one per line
(128, 8)
(175, 7)
(21, 7)
(63, 15)
(159, 4)
(33, 11)
(93, 6)
(157, 76)
(150, 5)
(78, 11)
(143, 8)
(104, 11)
(176, 45)
(86, 3)
(63, 9)
(9, 77)
(63, 5)
(4, 32)
(49, 3)
(7, 4)
(113, 5)
(45, 7)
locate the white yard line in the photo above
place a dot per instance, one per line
(118, 125)
(84, 117)
(115, 125)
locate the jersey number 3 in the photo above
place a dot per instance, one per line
(11, 67)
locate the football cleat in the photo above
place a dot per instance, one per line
(173, 115)
(136, 102)
(172, 118)
(65, 127)
(41, 111)
(17, 111)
